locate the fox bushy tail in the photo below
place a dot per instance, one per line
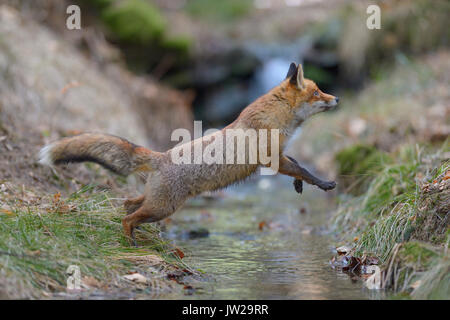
(112, 152)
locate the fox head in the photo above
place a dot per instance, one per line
(305, 97)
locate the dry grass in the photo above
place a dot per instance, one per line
(42, 237)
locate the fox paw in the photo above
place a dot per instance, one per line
(327, 185)
(298, 185)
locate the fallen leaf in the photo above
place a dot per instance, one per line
(178, 253)
(34, 253)
(370, 261)
(352, 264)
(91, 282)
(447, 175)
(8, 212)
(343, 250)
(261, 225)
(136, 277)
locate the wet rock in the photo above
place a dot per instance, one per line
(198, 233)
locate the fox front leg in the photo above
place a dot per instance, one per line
(298, 185)
(290, 167)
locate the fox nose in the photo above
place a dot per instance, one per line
(337, 99)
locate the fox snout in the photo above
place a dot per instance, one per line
(332, 103)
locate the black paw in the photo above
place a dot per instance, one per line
(298, 185)
(327, 185)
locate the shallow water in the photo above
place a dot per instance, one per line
(287, 259)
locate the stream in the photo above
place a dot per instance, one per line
(262, 240)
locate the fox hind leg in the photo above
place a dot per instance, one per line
(142, 215)
(133, 204)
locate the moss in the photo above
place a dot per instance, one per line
(435, 283)
(417, 253)
(414, 268)
(177, 43)
(401, 296)
(134, 21)
(142, 32)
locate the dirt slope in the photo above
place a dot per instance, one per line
(48, 89)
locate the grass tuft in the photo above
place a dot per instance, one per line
(39, 243)
(405, 202)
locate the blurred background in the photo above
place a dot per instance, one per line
(209, 59)
(183, 59)
(142, 68)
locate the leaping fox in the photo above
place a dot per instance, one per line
(168, 185)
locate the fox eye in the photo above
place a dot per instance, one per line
(316, 93)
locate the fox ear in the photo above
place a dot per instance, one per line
(292, 71)
(296, 75)
(300, 79)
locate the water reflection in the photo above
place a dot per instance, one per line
(287, 259)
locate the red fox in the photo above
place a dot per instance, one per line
(168, 185)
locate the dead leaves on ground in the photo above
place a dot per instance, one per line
(60, 206)
(439, 184)
(178, 253)
(346, 261)
(137, 278)
(6, 210)
(152, 271)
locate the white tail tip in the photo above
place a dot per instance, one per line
(45, 155)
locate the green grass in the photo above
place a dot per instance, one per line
(435, 283)
(357, 164)
(392, 211)
(37, 246)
